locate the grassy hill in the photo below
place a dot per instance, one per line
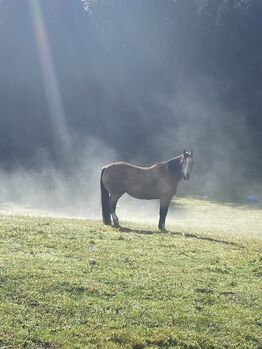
(68, 283)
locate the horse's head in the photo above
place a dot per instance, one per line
(187, 163)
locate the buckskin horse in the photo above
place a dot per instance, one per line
(156, 182)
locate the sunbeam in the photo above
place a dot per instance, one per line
(51, 85)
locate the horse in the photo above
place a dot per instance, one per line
(156, 182)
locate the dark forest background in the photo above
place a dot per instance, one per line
(144, 78)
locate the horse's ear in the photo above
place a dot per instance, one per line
(184, 152)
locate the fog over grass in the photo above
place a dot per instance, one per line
(135, 81)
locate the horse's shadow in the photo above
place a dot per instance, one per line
(137, 231)
(185, 235)
(206, 238)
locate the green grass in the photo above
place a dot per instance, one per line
(68, 283)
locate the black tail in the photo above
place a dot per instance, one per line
(105, 202)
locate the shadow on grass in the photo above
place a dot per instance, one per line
(206, 238)
(186, 235)
(138, 231)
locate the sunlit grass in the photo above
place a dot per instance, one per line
(201, 215)
(78, 284)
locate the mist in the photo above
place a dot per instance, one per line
(86, 83)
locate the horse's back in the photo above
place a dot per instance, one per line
(126, 169)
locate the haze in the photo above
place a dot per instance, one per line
(84, 83)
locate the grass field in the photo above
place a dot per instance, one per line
(68, 283)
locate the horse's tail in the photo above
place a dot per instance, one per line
(105, 202)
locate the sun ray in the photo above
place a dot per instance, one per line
(51, 85)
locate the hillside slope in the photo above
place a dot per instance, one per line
(68, 283)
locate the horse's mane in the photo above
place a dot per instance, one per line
(174, 165)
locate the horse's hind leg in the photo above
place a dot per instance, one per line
(113, 202)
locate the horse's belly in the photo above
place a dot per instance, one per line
(144, 190)
(142, 195)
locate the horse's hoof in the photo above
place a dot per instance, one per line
(107, 223)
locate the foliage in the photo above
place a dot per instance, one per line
(88, 4)
(192, 58)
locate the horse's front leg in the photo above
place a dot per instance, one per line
(164, 204)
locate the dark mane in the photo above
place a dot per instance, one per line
(174, 165)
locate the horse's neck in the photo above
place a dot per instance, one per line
(174, 165)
